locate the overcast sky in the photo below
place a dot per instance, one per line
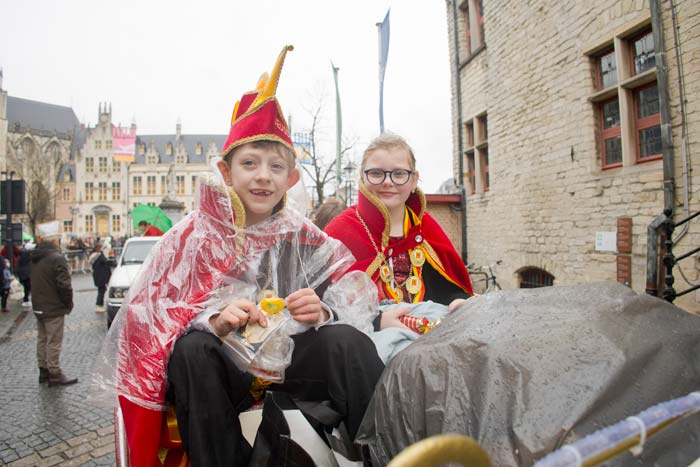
(157, 61)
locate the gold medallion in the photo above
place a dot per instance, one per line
(385, 273)
(414, 285)
(417, 257)
(399, 295)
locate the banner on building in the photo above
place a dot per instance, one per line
(124, 143)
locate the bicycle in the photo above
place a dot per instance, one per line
(488, 282)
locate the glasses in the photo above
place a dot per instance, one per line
(397, 176)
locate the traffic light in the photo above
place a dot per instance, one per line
(12, 191)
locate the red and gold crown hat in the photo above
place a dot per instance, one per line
(258, 116)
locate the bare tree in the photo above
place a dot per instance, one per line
(40, 169)
(321, 162)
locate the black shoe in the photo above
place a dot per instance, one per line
(61, 380)
(43, 375)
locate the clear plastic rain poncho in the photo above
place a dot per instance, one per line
(202, 264)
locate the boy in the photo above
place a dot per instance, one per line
(200, 285)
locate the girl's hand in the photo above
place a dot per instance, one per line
(456, 303)
(390, 319)
(305, 307)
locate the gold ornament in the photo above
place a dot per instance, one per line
(417, 257)
(414, 284)
(385, 273)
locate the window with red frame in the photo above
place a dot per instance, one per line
(642, 51)
(484, 155)
(531, 278)
(610, 130)
(471, 167)
(647, 123)
(473, 24)
(606, 66)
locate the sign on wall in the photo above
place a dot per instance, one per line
(124, 143)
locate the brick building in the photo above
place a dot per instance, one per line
(560, 111)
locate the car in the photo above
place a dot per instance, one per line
(134, 253)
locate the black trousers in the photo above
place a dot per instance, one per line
(27, 284)
(101, 295)
(4, 293)
(336, 363)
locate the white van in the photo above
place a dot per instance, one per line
(134, 253)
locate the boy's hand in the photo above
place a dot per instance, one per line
(390, 319)
(305, 307)
(237, 314)
(455, 304)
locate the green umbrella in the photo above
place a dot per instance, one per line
(151, 214)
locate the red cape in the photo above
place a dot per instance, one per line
(440, 252)
(152, 231)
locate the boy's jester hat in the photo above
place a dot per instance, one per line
(258, 116)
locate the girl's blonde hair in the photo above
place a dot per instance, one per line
(388, 141)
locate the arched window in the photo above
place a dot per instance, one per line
(27, 147)
(169, 149)
(531, 278)
(54, 152)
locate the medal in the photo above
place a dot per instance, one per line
(414, 284)
(417, 257)
(385, 273)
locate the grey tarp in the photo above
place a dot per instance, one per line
(525, 371)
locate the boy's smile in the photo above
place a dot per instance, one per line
(260, 175)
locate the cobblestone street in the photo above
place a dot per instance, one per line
(53, 426)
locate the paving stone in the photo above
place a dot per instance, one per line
(78, 450)
(77, 461)
(31, 460)
(49, 461)
(99, 442)
(105, 430)
(78, 440)
(54, 450)
(104, 450)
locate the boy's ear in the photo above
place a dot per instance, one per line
(225, 170)
(293, 178)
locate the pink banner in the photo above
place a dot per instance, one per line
(124, 143)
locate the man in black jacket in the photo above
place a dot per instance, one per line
(101, 273)
(52, 299)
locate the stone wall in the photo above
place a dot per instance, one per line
(548, 195)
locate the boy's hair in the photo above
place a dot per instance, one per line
(143, 223)
(388, 141)
(326, 211)
(276, 146)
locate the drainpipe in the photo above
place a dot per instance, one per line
(460, 148)
(666, 144)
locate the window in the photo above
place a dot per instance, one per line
(169, 149)
(198, 149)
(27, 148)
(116, 166)
(98, 144)
(151, 185)
(54, 152)
(473, 25)
(66, 194)
(642, 50)
(102, 167)
(152, 159)
(626, 100)
(116, 191)
(611, 134)
(142, 149)
(477, 154)
(68, 226)
(180, 182)
(116, 223)
(89, 164)
(108, 144)
(89, 188)
(102, 191)
(648, 123)
(88, 223)
(531, 278)
(163, 185)
(180, 159)
(194, 183)
(606, 70)
(137, 186)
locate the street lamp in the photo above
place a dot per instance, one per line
(349, 172)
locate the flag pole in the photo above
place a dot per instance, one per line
(383, 31)
(338, 128)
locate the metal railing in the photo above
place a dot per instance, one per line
(670, 260)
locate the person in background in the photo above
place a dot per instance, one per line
(101, 273)
(24, 271)
(326, 211)
(52, 300)
(6, 281)
(147, 230)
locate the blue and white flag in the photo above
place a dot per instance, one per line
(384, 30)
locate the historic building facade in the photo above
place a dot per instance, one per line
(560, 113)
(86, 189)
